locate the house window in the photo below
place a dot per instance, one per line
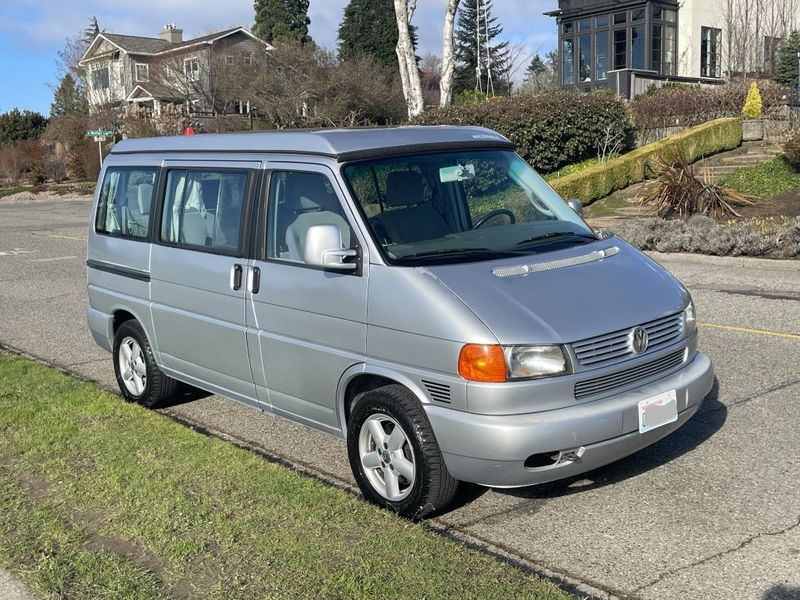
(621, 49)
(568, 61)
(710, 52)
(568, 28)
(229, 60)
(637, 14)
(584, 58)
(601, 55)
(637, 47)
(100, 78)
(772, 46)
(191, 68)
(670, 16)
(663, 42)
(601, 21)
(248, 60)
(584, 25)
(620, 18)
(142, 72)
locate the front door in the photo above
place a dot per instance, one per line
(198, 268)
(310, 323)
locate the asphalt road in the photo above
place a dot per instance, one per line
(712, 511)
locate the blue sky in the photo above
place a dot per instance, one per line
(32, 31)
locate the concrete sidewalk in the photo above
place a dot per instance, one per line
(12, 589)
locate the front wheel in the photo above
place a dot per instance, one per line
(138, 376)
(394, 454)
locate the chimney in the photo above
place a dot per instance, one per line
(171, 34)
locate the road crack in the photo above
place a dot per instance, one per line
(707, 559)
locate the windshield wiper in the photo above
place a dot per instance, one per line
(457, 252)
(557, 234)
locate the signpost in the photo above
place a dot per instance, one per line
(100, 136)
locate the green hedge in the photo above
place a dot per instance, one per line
(551, 129)
(599, 181)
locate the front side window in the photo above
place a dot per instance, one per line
(126, 196)
(461, 206)
(710, 52)
(297, 202)
(204, 209)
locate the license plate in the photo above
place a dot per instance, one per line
(658, 411)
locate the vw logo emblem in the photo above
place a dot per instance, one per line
(638, 340)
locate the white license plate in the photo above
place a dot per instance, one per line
(658, 411)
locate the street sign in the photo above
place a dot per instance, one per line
(101, 133)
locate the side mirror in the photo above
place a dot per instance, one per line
(323, 248)
(576, 205)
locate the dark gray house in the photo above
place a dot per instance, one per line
(627, 45)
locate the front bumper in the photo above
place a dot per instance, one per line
(491, 450)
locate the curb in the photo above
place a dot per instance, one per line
(727, 261)
(572, 585)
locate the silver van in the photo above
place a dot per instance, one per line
(418, 291)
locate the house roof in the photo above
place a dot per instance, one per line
(152, 90)
(342, 144)
(149, 46)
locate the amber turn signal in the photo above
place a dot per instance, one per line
(484, 363)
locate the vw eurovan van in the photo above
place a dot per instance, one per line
(418, 291)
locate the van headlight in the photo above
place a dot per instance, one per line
(529, 362)
(689, 319)
(497, 364)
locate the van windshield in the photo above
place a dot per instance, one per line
(462, 206)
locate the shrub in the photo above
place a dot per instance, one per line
(598, 182)
(703, 235)
(680, 106)
(792, 150)
(12, 163)
(16, 125)
(752, 105)
(551, 129)
(680, 193)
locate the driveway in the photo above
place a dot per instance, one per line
(712, 511)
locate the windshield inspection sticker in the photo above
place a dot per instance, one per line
(457, 173)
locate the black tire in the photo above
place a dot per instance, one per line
(158, 387)
(433, 487)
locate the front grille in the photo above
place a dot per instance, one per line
(438, 391)
(613, 347)
(608, 383)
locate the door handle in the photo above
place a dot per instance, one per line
(255, 280)
(236, 277)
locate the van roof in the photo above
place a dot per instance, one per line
(341, 144)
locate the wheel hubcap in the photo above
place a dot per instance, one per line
(387, 457)
(132, 367)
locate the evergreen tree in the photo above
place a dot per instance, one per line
(16, 125)
(91, 31)
(370, 27)
(68, 98)
(787, 60)
(282, 20)
(473, 18)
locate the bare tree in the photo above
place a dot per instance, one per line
(406, 58)
(448, 55)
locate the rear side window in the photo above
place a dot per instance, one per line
(126, 198)
(204, 209)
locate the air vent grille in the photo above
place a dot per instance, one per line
(438, 391)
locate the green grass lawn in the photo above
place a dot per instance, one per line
(768, 179)
(103, 499)
(8, 191)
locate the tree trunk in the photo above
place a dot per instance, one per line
(409, 73)
(448, 55)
